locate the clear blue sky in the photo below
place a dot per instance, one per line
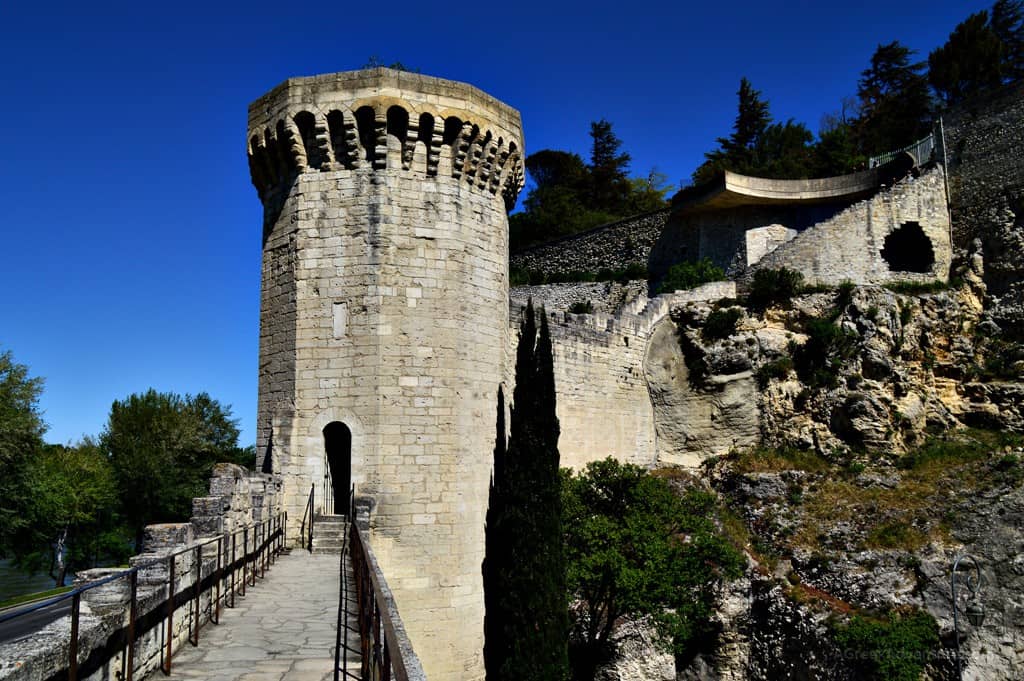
(131, 233)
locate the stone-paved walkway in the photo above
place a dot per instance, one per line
(283, 630)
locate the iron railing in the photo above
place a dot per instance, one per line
(306, 528)
(341, 648)
(386, 651)
(328, 491)
(267, 538)
(922, 151)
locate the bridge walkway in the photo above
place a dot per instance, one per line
(282, 630)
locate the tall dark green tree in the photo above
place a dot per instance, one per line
(969, 62)
(895, 106)
(609, 166)
(738, 151)
(1008, 25)
(526, 622)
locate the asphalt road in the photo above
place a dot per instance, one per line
(26, 625)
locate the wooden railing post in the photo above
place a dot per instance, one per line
(196, 588)
(217, 580)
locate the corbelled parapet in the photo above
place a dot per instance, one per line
(382, 118)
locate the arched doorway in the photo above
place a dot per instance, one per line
(338, 468)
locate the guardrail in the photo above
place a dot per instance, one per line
(385, 647)
(267, 540)
(922, 151)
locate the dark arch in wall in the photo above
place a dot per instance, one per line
(908, 249)
(306, 123)
(338, 451)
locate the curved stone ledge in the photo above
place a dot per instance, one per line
(384, 119)
(729, 189)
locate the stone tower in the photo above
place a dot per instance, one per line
(384, 322)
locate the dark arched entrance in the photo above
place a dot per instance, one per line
(338, 451)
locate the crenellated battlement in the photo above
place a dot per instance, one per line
(384, 119)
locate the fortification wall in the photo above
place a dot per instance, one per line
(603, 400)
(385, 199)
(849, 246)
(238, 502)
(985, 147)
(612, 246)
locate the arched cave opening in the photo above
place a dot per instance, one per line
(908, 249)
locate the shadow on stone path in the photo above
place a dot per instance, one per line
(283, 630)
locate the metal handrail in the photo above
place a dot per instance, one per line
(341, 642)
(384, 644)
(922, 151)
(272, 531)
(328, 493)
(306, 534)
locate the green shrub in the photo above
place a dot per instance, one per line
(819, 360)
(844, 296)
(894, 649)
(582, 307)
(774, 287)
(721, 324)
(895, 534)
(687, 275)
(778, 368)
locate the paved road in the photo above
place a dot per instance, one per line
(283, 630)
(26, 625)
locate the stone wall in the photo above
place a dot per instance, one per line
(604, 403)
(385, 309)
(612, 246)
(238, 503)
(850, 245)
(985, 146)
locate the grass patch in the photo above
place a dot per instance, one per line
(25, 598)
(894, 648)
(768, 459)
(913, 288)
(895, 535)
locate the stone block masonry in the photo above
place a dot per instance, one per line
(385, 313)
(613, 246)
(604, 399)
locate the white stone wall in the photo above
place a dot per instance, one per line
(603, 399)
(848, 246)
(385, 307)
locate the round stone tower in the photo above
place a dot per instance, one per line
(384, 322)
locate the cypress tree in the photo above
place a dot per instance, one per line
(526, 621)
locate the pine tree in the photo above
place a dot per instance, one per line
(526, 620)
(1008, 25)
(969, 62)
(738, 152)
(894, 99)
(610, 188)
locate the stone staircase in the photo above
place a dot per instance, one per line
(329, 533)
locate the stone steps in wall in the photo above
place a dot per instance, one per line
(329, 533)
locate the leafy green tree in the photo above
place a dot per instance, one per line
(1008, 25)
(526, 625)
(73, 510)
(894, 101)
(969, 62)
(635, 548)
(163, 447)
(21, 439)
(649, 193)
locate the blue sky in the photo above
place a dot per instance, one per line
(131, 233)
